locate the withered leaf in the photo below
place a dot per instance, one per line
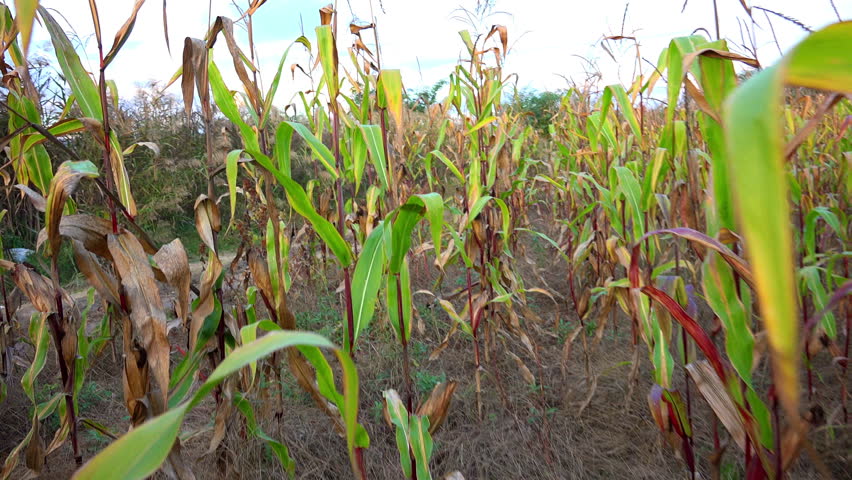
(206, 302)
(34, 454)
(89, 230)
(38, 201)
(146, 307)
(437, 406)
(62, 186)
(207, 220)
(103, 282)
(173, 265)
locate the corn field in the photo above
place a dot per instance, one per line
(675, 269)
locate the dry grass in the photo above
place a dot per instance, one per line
(611, 439)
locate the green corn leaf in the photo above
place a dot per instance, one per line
(283, 141)
(721, 292)
(78, 78)
(273, 88)
(358, 148)
(140, 452)
(231, 170)
(301, 203)
(624, 105)
(633, 192)
(24, 16)
(225, 101)
(373, 137)
(812, 281)
(41, 340)
(328, 58)
(755, 154)
(450, 165)
(281, 452)
(421, 445)
(399, 282)
(323, 153)
(366, 281)
(811, 228)
(399, 417)
(661, 355)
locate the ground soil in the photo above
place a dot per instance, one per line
(521, 434)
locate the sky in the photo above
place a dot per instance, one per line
(551, 42)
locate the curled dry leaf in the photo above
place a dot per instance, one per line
(105, 284)
(34, 453)
(714, 391)
(504, 37)
(437, 406)
(195, 70)
(276, 300)
(135, 377)
(89, 230)
(522, 367)
(38, 201)
(123, 33)
(306, 378)
(207, 220)
(223, 412)
(326, 13)
(36, 288)
(226, 26)
(64, 183)
(206, 302)
(146, 307)
(173, 266)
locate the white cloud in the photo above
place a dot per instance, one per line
(549, 40)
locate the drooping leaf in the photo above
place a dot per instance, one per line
(123, 33)
(754, 141)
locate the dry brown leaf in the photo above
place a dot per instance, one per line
(306, 379)
(355, 29)
(326, 13)
(207, 220)
(223, 412)
(173, 265)
(195, 69)
(206, 302)
(34, 453)
(124, 32)
(60, 436)
(589, 396)
(105, 284)
(522, 367)
(226, 26)
(62, 186)
(714, 391)
(88, 229)
(38, 201)
(135, 377)
(146, 307)
(701, 101)
(720, 54)
(504, 37)
(35, 287)
(437, 406)
(566, 349)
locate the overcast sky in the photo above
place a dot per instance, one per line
(547, 38)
